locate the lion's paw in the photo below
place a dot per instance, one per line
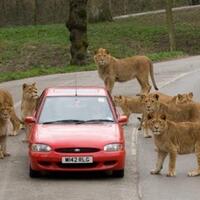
(171, 174)
(155, 171)
(194, 172)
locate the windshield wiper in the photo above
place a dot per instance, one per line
(65, 121)
(98, 120)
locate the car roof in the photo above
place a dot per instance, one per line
(75, 91)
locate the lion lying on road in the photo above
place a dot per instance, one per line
(183, 98)
(113, 70)
(172, 138)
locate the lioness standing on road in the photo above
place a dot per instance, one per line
(28, 104)
(6, 111)
(6, 99)
(113, 70)
(174, 138)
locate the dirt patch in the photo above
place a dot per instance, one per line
(36, 55)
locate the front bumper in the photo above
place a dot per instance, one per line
(102, 161)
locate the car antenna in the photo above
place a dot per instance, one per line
(75, 83)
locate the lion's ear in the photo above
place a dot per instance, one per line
(174, 98)
(142, 97)
(179, 96)
(156, 96)
(163, 116)
(190, 95)
(34, 84)
(95, 51)
(120, 96)
(24, 85)
(106, 51)
(149, 116)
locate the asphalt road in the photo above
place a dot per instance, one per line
(15, 183)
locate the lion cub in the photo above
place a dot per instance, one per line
(111, 70)
(172, 138)
(5, 114)
(29, 102)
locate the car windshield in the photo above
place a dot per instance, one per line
(75, 109)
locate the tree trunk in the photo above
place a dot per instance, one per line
(77, 25)
(170, 24)
(35, 12)
(194, 2)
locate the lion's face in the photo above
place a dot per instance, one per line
(184, 98)
(30, 91)
(102, 57)
(119, 100)
(150, 102)
(157, 123)
(5, 111)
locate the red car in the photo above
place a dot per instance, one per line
(76, 129)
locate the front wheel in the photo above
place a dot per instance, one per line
(118, 173)
(34, 173)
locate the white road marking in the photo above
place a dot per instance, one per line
(177, 78)
(154, 12)
(134, 137)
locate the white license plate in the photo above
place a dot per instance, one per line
(81, 159)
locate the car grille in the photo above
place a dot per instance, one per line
(77, 150)
(77, 165)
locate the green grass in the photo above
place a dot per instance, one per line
(44, 49)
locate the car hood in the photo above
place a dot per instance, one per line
(82, 134)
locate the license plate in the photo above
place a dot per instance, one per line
(81, 159)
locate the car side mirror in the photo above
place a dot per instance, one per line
(123, 120)
(30, 120)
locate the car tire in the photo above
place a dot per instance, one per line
(118, 173)
(34, 173)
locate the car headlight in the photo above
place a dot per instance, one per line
(40, 148)
(113, 147)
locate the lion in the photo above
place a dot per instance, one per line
(6, 98)
(129, 105)
(5, 114)
(28, 104)
(132, 104)
(111, 70)
(183, 98)
(175, 110)
(172, 138)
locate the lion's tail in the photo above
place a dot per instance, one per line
(152, 76)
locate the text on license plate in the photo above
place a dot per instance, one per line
(81, 159)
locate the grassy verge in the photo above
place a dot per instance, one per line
(40, 50)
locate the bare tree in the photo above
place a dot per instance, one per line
(170, 24)
(77, 25)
